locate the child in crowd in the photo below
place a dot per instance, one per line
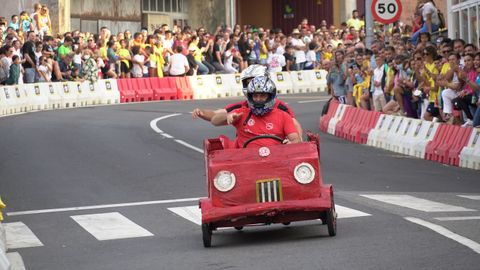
(311, 57)
(44, 70)
(138, 62)
(15, 71)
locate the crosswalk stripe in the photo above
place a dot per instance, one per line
(193, 213)
(417, 203)
(472, 197)
(110, 226)
(447, 233)
(20, 236)
(458, 218)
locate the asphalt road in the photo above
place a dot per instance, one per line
(70, 176)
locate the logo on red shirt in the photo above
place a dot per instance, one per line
(269, 126)
(251, 122)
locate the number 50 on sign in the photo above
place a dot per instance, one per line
(386, 11)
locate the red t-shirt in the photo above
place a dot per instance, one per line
(278, 105)
(276, 122)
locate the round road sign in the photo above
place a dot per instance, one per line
(386, 11)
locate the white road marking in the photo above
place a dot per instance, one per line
(110, 226)
(191, 213)
(20, 236)
(458, 218)
(345, 212)
(447, 233)
(417, 203)
(312, 100)
(472, 197)
(101, 206)
(16, 261)
(189, 146)
(194, 214)
(153, 123)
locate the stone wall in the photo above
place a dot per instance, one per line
(206, 13)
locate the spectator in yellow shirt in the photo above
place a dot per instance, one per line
(355, 22)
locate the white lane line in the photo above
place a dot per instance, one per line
(101, 206)
(471, 197)
(189, 146)
(458, 218)
(447, 233)
(20, 236)
(110, 226)
(417, 203)
(153, 123)
(16, 260)
(312, 101)
(194, 214)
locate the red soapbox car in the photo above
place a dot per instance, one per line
(275, 184)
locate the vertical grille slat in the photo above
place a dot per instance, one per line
(269, 191)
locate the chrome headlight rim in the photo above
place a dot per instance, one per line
(299, 178)
(223, 188)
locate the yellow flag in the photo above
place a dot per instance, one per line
(2, 205)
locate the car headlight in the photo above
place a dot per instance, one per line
(304, 173)
(224, 181)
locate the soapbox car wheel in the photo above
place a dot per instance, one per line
(262, 137)
(286, 223)
(238, 228)
(207, 235)
(332, 220)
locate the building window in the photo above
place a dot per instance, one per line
(170, 6)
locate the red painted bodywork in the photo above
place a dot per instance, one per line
(239, 206)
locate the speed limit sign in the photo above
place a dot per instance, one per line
(386, 11)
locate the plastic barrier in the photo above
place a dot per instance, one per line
(283, 82)
(233, 84)
(395, 133)
(300, 83)
(162, 89)
(448, 150)
(182, 84)
(38, 96)
(68, 96)
(381, 125)
(442, 135)
(143, 89)
(108, 92)
(199, 87)
(426, 134)
(215, 83)
(383, 135)
(15, 99)
(127, 92)
(325, 119)
(317, 79)
(337, 117)
(470, 154)
(408, 131)
(347, 117)
(354, 120)
(359, 133)
(82, 90)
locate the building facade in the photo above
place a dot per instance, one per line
(463, 20)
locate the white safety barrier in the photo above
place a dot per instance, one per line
(54, 98)
(336, 118)
(383, 134)
(68, 95)
(317, 79)
(108, 91)
(233, 83)
(470, 155)
(283, 82)
(15, 99)
(200, 89)
(382, 126)
(38, 96)
(300, 82)
(425, 135)
(395, 134)
(217, 85)
(400, 142)
(81, 93)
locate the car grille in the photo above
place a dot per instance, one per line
(269, 191)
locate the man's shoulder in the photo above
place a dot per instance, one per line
(236, 106)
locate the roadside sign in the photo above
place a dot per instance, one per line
(386, 11)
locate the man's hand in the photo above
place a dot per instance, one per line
(233, 117)
(197, 113)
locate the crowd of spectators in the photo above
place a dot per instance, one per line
(404, 71)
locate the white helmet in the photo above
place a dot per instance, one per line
(252, 72)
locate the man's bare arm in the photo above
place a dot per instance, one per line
(294, 138)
